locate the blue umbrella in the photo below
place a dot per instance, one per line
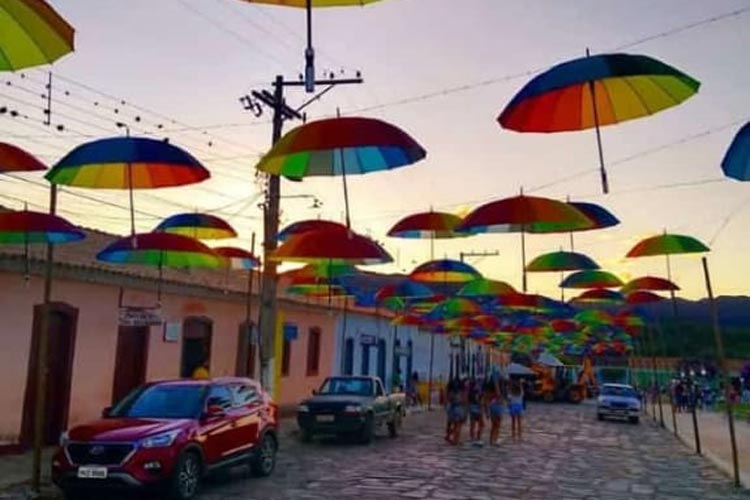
(736, 163)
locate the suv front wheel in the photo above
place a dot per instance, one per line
(187, 477)
(264, 460)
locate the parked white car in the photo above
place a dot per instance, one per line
(618, 401)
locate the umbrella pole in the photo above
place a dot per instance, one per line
(41, 359)
(343, 335)
(724, 370)
(249, 309)
(523, 258)
(309, 53)
(671, 291)
(130, 195)
(602, 169)
(346, 189)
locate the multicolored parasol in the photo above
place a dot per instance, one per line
(15, 159)
(591, 279)
(333, 246)
(33, 34)
(599, 296)
(428, 225)
(594, 91)
(237, 258)
(736, 162)
(198, 226)
(27, 227)
(653, 283)
(162, 250)
(667, 244)
(562, 261)
(444, 271)
(484, 288)
(307, 225)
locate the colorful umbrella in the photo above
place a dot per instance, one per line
(127, 163)
(26, 227)
(591, 279)
(33, 34)
(562, 261)
(198, 226)
(444, 271)
(308, 5)
(454, 308)
(484, 288)
(306, 225)
(640, 297)
(736, 162)
(600, 296)
(594, 91)
(333, 246)
(15, 159)
(406, 290)
(341, 146)
(162, 250)
(649, 283)
(324, 271)
(237, 258)
(517, 213)
(667, 244)
(428, 225)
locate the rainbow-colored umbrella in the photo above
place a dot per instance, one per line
(237, 258)
(27, 227)
(324, 271)
(444, 271)
(594, 317)
(517, 213)
(591, 279)
(198, 226)
(333, 246)
(405, 290)
(304, 226)
(667, 244)
(162, 250)
(482, 288)
(427, 225)
(561, 261)
(653, 283)
(736, 162)
(600, 296)
(454, 308)
(341, 146)
(127, 163)
(640, 297)
(32, 34)
(15, 159)
(594, 91)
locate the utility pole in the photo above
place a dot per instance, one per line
(464, 255)
(276, 102)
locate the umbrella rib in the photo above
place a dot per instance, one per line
(638, 96)
(46, 56)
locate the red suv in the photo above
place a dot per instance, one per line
(171, 434)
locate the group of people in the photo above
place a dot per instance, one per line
(478, 400)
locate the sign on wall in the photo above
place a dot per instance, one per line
(172, 331)
(368, 339)
(140, 316)
(290, 332)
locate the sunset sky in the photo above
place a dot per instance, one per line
(441, 70)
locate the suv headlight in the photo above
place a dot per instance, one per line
(302, 409)
(353, 409)
(64, 439)
(160, 440)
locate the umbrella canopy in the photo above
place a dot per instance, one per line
(25, 226)
(160, 249)
(127, 162)
(599, 216)
(15, 159)
(484, 288)
(640, 297)
(315, 3)
(237, 258)
(594, 317)
(625, 87)
(32, 34)
(561, 261)
(406, 289)
(591, 279)
(341, 146)
(650, 283)
(408, 320)
(523, 213)
(444, 271)
(600, 296)
(324, 271)
(427, 225)
(333, 246)
(454, 308)
(736, 162)
(667, 244)
(307, 225)
(198, 226)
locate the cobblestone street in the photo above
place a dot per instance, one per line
(566, 453)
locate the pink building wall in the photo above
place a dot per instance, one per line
(96, 342)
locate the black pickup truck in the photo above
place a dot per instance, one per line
(351, 406)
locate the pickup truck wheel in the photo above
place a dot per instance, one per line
(368, 430)
(394, 424)
(186, 478)
(264, 461)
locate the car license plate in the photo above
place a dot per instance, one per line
(325, 418)
(92, 472)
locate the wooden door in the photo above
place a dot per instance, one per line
(60, 353)
(131, 360)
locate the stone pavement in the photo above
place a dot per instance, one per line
(565, 454)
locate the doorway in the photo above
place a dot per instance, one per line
(196, 344)
(62, 326)
(130, 361)
(247, 352)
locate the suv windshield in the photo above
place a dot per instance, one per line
(355, 386)
(162, 401)
(609, 390)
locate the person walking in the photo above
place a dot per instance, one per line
(515, 408)
(476, 411)
(493, 399)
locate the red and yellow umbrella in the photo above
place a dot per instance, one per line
(198, 226)
(15, 159)
(332, 246)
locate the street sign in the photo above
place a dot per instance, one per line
(368, 339)
(140, 316)
(290, 332)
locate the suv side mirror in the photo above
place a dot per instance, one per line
(214, 411)
(105, 411)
